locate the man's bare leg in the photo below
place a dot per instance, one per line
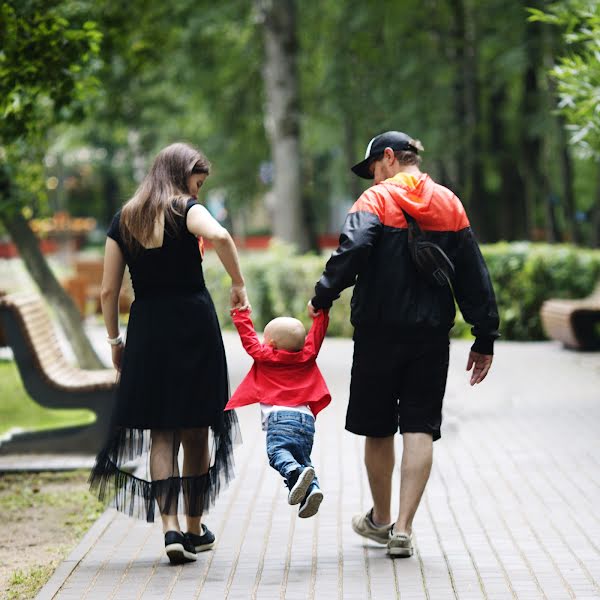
(379, 460)
(417, 457)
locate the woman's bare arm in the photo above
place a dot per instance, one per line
(112, 278)
(201, 223)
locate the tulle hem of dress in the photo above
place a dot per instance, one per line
(113, 478)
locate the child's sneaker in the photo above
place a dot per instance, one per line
(312, 501)
(298, 482)
(202, 542)
(178, 547)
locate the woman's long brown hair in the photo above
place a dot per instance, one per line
(163, 191)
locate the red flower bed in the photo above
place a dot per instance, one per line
(9, 250)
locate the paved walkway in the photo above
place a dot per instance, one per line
(511, 509)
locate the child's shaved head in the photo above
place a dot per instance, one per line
(285, 333)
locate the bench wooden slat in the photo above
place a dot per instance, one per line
(52, 382)
(42, 339)
(572, 321)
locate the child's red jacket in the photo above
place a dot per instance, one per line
(280, 377)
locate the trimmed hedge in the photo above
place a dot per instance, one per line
(524, 275)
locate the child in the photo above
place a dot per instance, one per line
(287, 383)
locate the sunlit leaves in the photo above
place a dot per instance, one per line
(578, 71)
(47, 65)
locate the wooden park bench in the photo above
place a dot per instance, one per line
(576, 323)
(86, 283)
(52, 381)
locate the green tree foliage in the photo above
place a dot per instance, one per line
(47, 67)
(46, 75)
(182, 71)
(468, 77)
(47, 51)
(577, 71)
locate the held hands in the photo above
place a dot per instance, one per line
(312, 311)
(480, 363)
(238, 297)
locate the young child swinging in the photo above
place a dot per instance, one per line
(286, 381)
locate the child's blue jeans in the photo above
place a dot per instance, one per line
(290, 437)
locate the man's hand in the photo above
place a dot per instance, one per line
(312, 311)
(480, 363)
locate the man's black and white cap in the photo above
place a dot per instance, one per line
(396, 140)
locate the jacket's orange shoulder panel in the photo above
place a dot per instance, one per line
(437, 210)
(394, 217)
(446, 212)
(370, 201)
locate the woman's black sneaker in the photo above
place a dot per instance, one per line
(178, 547)
(202, 542)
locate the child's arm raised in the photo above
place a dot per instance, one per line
(317, 332)
(243, 323)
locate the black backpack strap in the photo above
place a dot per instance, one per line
(409, 218)
(428, 257)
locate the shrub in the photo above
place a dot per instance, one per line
(524, 275)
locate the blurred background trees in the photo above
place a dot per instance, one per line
(478, 81)
(577, 76)
(46, 77)
(283, 97)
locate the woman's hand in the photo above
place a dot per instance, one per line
(117, 356)
(239, 297)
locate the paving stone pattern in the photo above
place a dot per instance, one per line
(512, 509)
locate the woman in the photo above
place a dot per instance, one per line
(173, 374)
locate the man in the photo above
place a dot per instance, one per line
(401, 323)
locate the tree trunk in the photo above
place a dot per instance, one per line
(552, 41)
(111, 191)
(595, 237)
(354, 182)
(310, 196)
(468, 112)
(532, 147)
(457, 56)
(510, 200)
(68, 315)
(282, 118)
(567, 180)
(531, 143)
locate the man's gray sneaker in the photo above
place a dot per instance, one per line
(363, 525)
(399, 544)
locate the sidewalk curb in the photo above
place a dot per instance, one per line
(35, 463)
(68, 565)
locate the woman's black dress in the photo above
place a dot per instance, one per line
(173, 385)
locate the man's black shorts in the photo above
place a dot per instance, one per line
(397, 383)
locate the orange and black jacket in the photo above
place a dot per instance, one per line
(389, 296)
